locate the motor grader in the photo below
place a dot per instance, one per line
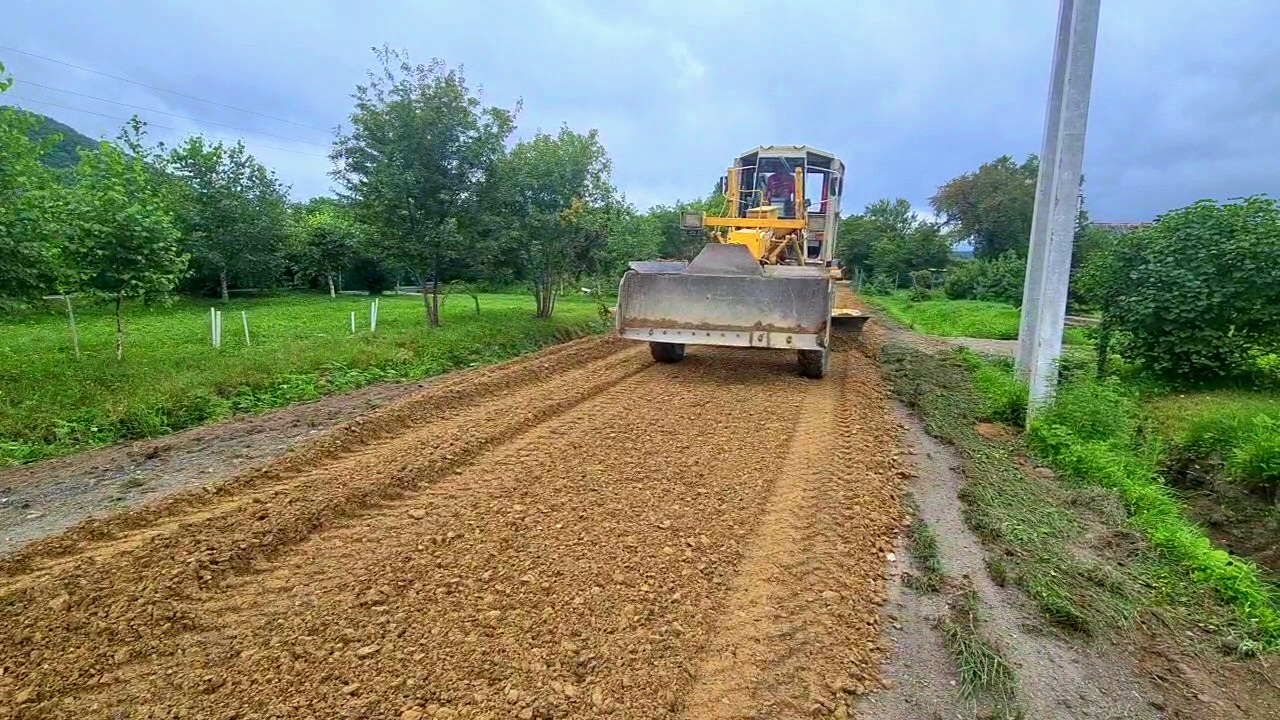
(766, 277)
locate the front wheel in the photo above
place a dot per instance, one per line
(665, 352)
(813, 363)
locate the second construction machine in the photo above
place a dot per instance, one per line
(765, 279)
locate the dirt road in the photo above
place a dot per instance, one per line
(579, 533)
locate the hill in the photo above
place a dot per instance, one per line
(63, 154)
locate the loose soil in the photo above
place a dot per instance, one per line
(578, 533)
(42, 498)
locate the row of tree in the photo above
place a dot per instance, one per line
(432, 191)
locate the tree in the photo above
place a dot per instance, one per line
(232, 212)
(328, 241)
(991, 207)
(891, 240)
(559, 206)
(419, 146)
(126, 243)
(33, 220)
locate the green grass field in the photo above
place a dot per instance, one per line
(959, 318)
(301, 349)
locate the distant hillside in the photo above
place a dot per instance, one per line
(62, 155)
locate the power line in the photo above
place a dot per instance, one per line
(160, 89)
(151, 125)
(174, 115)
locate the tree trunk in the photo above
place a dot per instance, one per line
(426, 301)
(119, 330)
(222, 284)
(332, 294)
(476, 297)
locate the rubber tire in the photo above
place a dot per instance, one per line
(665, 352)
(813, 363)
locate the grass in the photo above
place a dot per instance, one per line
(985, 676)
(301, 349)
(922, 543)
(959, 318)
(1033, 528)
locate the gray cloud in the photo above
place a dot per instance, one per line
(909, 94)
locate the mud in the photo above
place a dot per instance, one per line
(580, 533)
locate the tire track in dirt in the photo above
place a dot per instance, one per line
(799, 635)
(568, 546)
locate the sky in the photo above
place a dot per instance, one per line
(908, 93)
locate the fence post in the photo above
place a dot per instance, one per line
(75, 336)
(244, 318)
(353, 322)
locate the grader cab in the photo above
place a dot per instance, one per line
(765, 278)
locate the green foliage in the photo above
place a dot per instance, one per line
(232, 213)
(992, 206)
(328, 241)
(995, 280)
(1196, 296)
(126, 245)
(1255, 460)
(1004, 396)
(921, 281)
(63, 141)
(891, 241)
(34, 226)
(302, 349)
(556, 206)
(420, 152)
(1089, 434)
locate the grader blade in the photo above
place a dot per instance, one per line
(725, 297)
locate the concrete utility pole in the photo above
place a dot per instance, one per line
(1053, 223)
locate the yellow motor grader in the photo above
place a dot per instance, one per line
(765, 279)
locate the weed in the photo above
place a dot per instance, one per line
(985, 676)
(922, 543)
(135, 480)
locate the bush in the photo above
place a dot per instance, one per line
(998, 280)
(921, 281)
(1195, 297)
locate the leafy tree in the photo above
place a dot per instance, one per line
(419, 146)
(1196, 296)
(559, 207)
(992, 207)
(32, 212)
(126, 244)
(328, 242)
(232, 212)
(889, 239)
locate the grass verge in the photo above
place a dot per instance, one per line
(1071, 547)
(1091, 434)
(301, 348)
(959, 318)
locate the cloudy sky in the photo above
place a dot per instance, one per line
(908, 92)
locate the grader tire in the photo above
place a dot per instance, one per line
(665, 352)
(813, 363)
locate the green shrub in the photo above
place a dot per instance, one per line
(1195, 298)
(921, 282)
(997, 280)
